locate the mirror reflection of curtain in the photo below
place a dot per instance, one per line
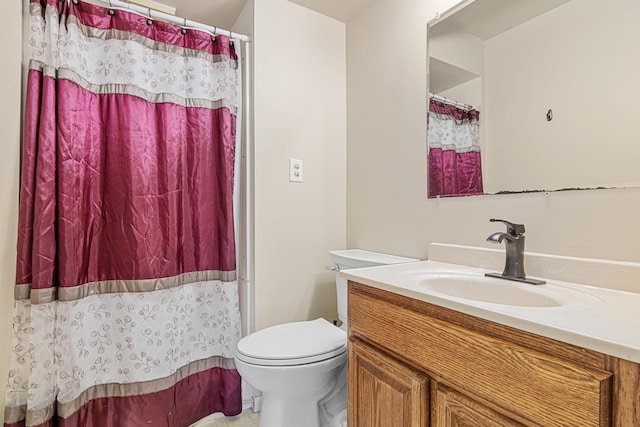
(454, 152)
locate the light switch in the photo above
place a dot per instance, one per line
(295, 170)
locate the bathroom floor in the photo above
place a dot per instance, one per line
(246, 419)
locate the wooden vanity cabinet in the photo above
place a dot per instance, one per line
(412, 363)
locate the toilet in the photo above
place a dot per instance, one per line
(301, 367)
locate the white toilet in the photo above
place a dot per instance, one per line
(300, 367)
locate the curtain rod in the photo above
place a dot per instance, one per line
(450, 101)
(184, 22)
(160, 7)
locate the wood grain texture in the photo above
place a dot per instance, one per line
(525, 384)
(574, 353)
(453, 409)
(384, 392)
(625, 410)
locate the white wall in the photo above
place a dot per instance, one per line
(387, 205)
(300, 104)
(10, 34)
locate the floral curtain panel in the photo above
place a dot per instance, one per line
(126, 307)
(454, 163)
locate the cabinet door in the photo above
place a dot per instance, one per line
(452, 409)
(384, 392)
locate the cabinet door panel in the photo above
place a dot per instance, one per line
(452, 409)
(384, 392)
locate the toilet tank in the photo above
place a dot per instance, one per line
(357, 258)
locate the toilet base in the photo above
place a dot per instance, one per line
(289, 413)
(333, 407)
(299, 396)
(305, 411)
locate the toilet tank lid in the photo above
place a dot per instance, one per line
(293, 340)
(362, 258)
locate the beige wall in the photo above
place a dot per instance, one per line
(387, 207)
(300, 104)
(9, 177)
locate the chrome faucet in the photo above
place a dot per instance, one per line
(514, 245)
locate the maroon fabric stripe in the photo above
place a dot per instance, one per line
(150, 196)
(34, 100)
(452, 173)
(195, 397)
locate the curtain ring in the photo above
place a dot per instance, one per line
(111, 12)
(184, 24)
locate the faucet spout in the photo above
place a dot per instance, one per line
(499, 237)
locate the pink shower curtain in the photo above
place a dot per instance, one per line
(454, 164)
(126, 307)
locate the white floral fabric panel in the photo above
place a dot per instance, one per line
(102, 62)
(118, 338)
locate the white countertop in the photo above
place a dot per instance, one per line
(595, 318)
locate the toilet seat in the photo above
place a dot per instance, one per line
(291, 344)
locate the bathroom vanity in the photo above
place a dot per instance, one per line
(420, 358)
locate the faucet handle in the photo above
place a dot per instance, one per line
(513, 229)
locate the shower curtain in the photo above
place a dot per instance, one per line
(454, 164)
(126, 307)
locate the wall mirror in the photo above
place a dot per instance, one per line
(550, 88)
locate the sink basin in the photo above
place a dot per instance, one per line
(489, 290)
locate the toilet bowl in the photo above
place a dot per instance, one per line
(295, 365)
(300, 367)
